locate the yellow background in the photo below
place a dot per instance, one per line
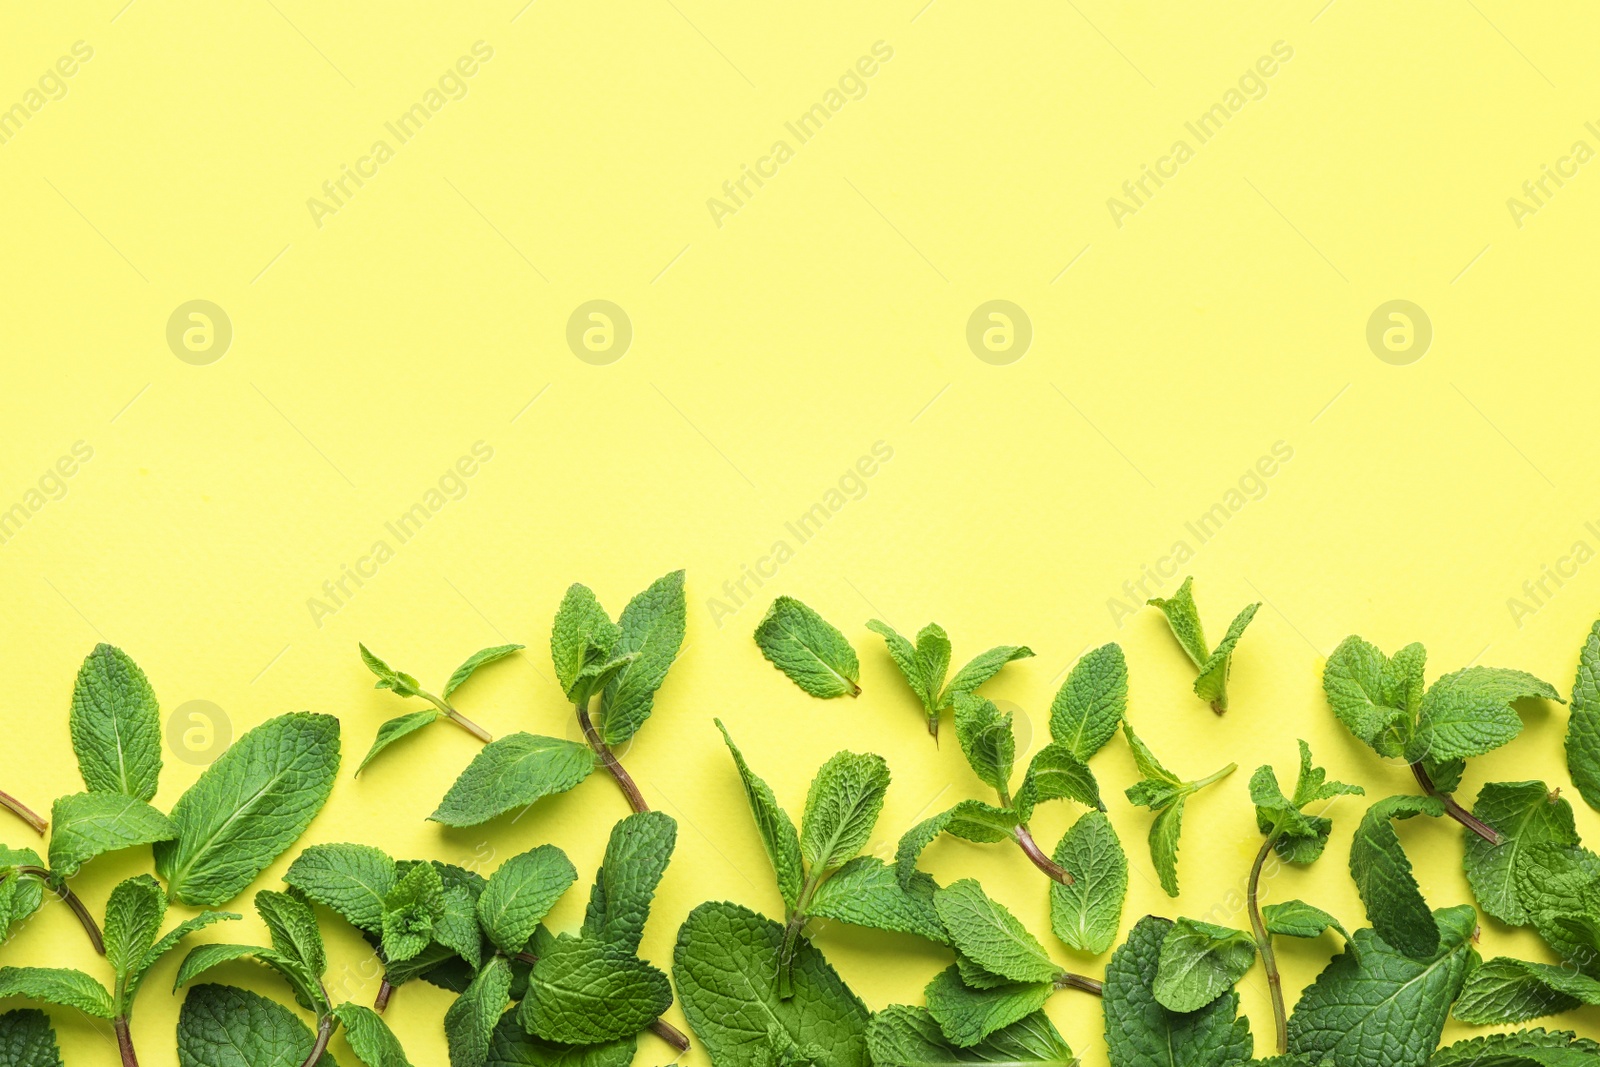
(828, 313)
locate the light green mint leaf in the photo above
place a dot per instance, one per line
(388, 678)
(583, 991)
(521, 893)
(966, 1016)
(469, 1023)
(1505, 990)
(1142, 1033)
(1300, 838)
(636, 857)
(803, 645)
(369, 1036)
(904, 655)
(1470, 712)
(409, 911)
(866, 892)
(981, 668)
(777, 832)
(1055, 773)
(116, 725)
(84, 825)
(984, 931)
(1379, 1006)
(1085, 915)
(457, 929)
(512, 1046)
(1091, 702)
(933, 663)
(1211, 685)
(1375, 697)
(1184, 619)
(1525, 814)
(970, 820)
(220, 1026)
(581, 641)
(512, 773)
(352, 880)
(1583, 728)
(26, 1040)
(1524, 1048)
(841, 809)
(168, 942)
(1296, 918)
(20, 897)
(292, 925)
(1559, 886)
(1150, 768)
(60, 986)
(481, 658)
(1199, 962)
(133, 919)
(306, 987)
(1383, 877)
(652, 627)
(395, 729)
(901, 1036)
(986, 740)
(1165, 794)
(248, 807)
(723, 967)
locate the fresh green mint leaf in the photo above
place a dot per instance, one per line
(1376, 697)
(901, 1036)
(1142, 1033)
(481, 658)
(1583, 727)
(916, 672)
(1559, 886)
(395, 729)
(983, 930)
(512, 1046)
(469, 1022)
(581, 641)
(116, 725)
(1296, 918)
(220, 1026)
(1383, 877)
(841, 809)
(1165, 794)
(84, 825)
(582, 991)
(1297, 836)
(521, 893)
(27, 1040)
(511, 773)
(1199, 962)
(970, 820)
(248, 807)
(1525, 814)
(410, 910)
(981, 668)
(967, 1015)
(169, 941)
(1524, 1048)
(1085, 915)
(1505, 990)
(777, 832)
(457, 929)
(652, 627)
(866, 892)
(401, 683)
(1090, 704)
(986, 740)
(306, 986)
(60, 986)
(352, 880)
(933, 664)
(636, 857)
(803, 645)
(1211, 684)
(133, 919)
(1184, 619)
(1470, 712)
(1055, 773)
(369, 1036)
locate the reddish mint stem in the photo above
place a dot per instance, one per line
(1031, 849)
(1454, 810)
(384, 991)
(1068, 980)
(324, 1033)
(23, 812)
(125, 1041)
(70, 899)
(608, 760)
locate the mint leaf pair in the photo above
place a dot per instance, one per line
(1083, 717)
(902, 1036)
(133, 944)
(1165, 794)
(809, 649)
(1141, 1032)
(926, 663)
(404, 685)
(819, 874)
(1002, 974)
(1213, 664)
(298, 957)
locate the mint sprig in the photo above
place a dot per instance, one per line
(1212, 664)
(404, 685)
(926, 663)
(1166, 794)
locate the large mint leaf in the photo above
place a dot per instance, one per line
(841, 809)
(1199, 962)
(60, 986)
(1142, 1033)
(803, 645)
(1559, 886)
(1506, 990)
(352, 880)
(1090, 704)
(220, 1026)
(1526, 814)
(521, 893)
(582, 991)
(724, 968)
(1086, 914)
(1583, 728)
(512, 1046)
(866, 892)
(1377, 1006)
(636, 857)
(967, 1014)
(84, 825)
(1469, 712)
(249, 806)
(26, 1040)
(985, 932)
(116, 725)
(777, 832)
(901, 1036)
(652, 627)
(1383, 877)
(511, 773)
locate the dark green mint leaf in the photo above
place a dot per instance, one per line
(1199, 962)
(581, 992)
(116, 725)
(967, 1015)
(60, 986)
(984, 931)
(636, 857)
(469, 1023)
(369, 1036)
(1470, 712)
(581, 642)
(865, 892)
(352, 880)
(901, 1036)
(986, 740)
(1526, 814)
(1142, 1033)
(1583, 728)
(220, 1026)
(395, 729)
(1505, 990)
(26, 1040)
(1383, 877)
(521, 893)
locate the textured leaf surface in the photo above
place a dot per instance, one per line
(1055, 773)
(983, 930)
(916, 673)
(1086, 914)
(410, 911)
(777, 832)
(1165, 794)
(369, 1036)
(470, 1021)
(1211, 684)
(1469, 712)
(1526, 814)
(841, 809)
(901, 1036)
(512, 1046)
(866, 892)
(724, 965)
(967, 1015)
(581, 641)
(520, 894)
(394, 730)
(220, 1026)
(636, 857)
(1184, 619)
(1383, 877)
(1296, 918)
(26, 1040)
(1090, 704)
(1199, 962)
(1142, 1033)
(1583, 727)
(986, 740)
(352, 880)
(582, 991)
(58, 985)
(1300, 837)
(249, 806)
(1524, 1048)
(803, 645)
(983, 666)
(652, 627)
(84, 825)
(133, 919)
(1560, 888)
(970, 820)
(116, 725)
(511, 773)
(167, 943)
(481, 658)
(1374, 696)
(1506, 990)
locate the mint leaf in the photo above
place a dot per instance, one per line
(583, 991)
(248, 806)
(395, 729)
(513, 772)
(1184, 619)
(1560, 889)
(842, 807)
(815, 656)
(512, 1046)
(305, 985)
(1583, 727)
(1085, 915)
(388, 678)
(1165, 794)
(970, 820)
(1297, 837)
(133, 918)
(901, 1036)
(982, 667)
(481, 658)
(469, 1023)
(84, 825)
(1211, 685)
(1142, 1033)
(60, 986)
(26, 1040)
(1383, 877)
(1505, 990)
(866, 892)
(369, 1036)
(986, 740)
(457, 929)
(169, 941)
(1091, 702)
(1525, 814)
(1376, 697)
(777, 832)
(923, 664)
(1379, 1006)
(220, 1026)
(116, 725)
(410, 910)
(581, 641)
(984, 931)
(724, 965)
(652, 627)
(1055, 773)
(352, 880)
(1524, 1048)
(636, 857)
(521, 893)
(967, 1015)
(1469, 712)
(1199, 962)
(1296, 918)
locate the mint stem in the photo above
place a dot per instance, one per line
(459, 719)
(660, 1027)
(1068, 980)
(70, 899)
(382, 1001)
(125, 1041)
(23, 812)
(1269, 960)
(324, 1034)
(608, 759)
(1031, 849)
(1454, 810)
